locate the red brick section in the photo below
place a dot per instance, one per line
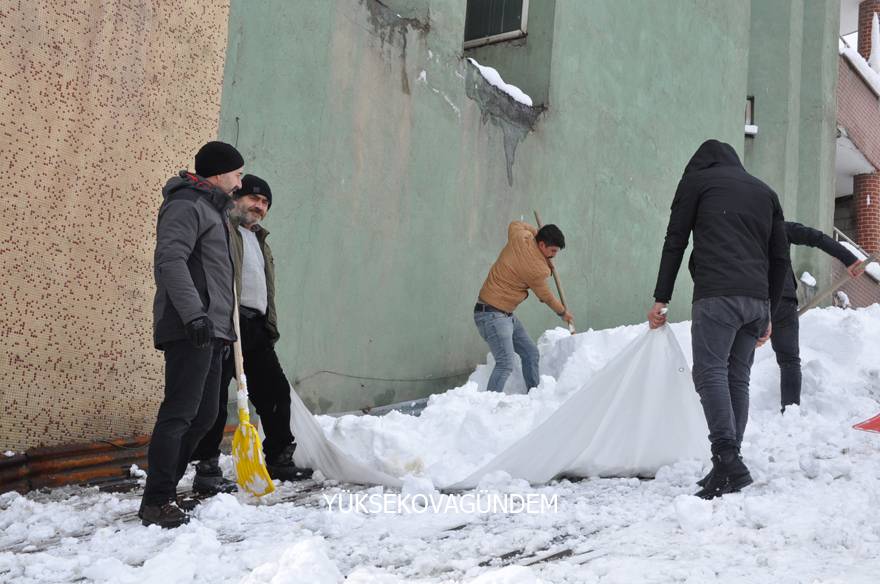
(858, 111)
(866, 196)
(866, 12)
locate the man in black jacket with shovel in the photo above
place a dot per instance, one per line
(785, 338)
(739, 264)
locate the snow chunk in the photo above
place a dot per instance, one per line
(693, 514)
(137, 472)
(494, 78)
(508, 575)
(10, 454)
(304, 562)
(842, 299)
(751, 130)
(423, 76)
(808, 279)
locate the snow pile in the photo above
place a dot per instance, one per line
(494, 78)
(465, 428)
(872, 269)
(809, 517)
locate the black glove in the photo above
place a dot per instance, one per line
(200, 331)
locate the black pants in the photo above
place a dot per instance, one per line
(786, 345)
(192, 383)
(268, 390)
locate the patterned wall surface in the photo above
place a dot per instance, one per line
(101, 101)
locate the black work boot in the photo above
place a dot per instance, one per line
(282, 468)
(167, 515)
(209, 479)
(702, 482)
(729, 474)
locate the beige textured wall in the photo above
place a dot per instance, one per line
(101, 102)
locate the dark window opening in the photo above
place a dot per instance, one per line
(750, 110)
(492, 21)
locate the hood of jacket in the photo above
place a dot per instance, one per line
(187, 180)
(710, 154)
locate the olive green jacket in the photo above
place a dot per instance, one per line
(237, 248)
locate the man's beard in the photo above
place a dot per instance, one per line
(248, 218)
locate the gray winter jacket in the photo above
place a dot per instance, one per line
(192, 263)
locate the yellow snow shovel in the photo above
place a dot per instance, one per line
(247, 449)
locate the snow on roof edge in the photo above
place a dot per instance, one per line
(870, 77)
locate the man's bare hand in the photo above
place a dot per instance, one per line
(567, 317)
(766, 336)
(856, 268)
(657, 315)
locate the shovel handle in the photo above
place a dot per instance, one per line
(843, 279)
(556, 279)
(241, 380)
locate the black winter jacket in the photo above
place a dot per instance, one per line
(798, 234)
(192, 263)
(740, 247)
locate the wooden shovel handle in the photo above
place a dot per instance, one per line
(556, 278)
(843, 279)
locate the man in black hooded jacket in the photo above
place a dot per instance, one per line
(739, 264)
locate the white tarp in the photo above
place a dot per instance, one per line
(637, 414)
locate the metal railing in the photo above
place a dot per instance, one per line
(840, 235)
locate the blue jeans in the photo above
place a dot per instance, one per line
(506, 335)
(724, 331)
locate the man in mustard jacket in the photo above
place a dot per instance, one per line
(523, 265)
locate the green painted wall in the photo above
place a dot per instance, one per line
(793, 76)
(391, 190)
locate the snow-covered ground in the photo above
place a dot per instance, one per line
(809, 517)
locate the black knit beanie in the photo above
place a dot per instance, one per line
(217, 158)
(254, 185)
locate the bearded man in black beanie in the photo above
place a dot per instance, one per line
(192, 318)
(267, 385)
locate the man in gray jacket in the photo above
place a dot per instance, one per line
(192, 318)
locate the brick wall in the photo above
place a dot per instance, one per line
(863, 291)
(867, 8)
(866, 196)
(102, 101)
(858, 111)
